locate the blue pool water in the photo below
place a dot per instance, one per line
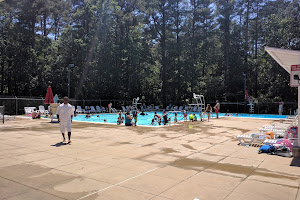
(147, 119)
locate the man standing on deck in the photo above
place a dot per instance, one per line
(64, 115)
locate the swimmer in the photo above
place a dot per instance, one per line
(191, 118)
(185, 115)
(195, 118)
(98, 116)
(175, 118)
(153, 121)
(119, 120)
(157, 115)
(165, 117)
(105, 120)
(142, 113)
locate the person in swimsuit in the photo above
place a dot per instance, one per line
(208, 110)
(157, 117)
(217, 108)
(35, 114)
(185, 115)
(128, 119)
(135, 115)
(195, 118)
(165, 117)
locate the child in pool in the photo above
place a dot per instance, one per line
(185, 115)
(153, 121)
(119, 120)
(191, 118)
(195, 118)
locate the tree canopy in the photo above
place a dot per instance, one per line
(161, 49)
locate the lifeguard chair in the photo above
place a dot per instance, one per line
(200, 103)
(135, 102)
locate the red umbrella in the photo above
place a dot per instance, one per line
(49, 96)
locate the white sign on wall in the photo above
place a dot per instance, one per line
(295, 76)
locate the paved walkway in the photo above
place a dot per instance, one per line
(196, 160)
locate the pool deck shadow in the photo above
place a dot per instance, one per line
(59, 144)
(295, 162)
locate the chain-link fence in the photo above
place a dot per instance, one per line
(289, 108)
(15, 105)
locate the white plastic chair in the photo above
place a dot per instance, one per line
(42, 110)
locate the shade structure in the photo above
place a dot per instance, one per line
(285, 58)
(49, 96)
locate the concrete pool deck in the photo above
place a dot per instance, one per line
(194, 160)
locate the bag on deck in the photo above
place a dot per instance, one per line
(267, 149)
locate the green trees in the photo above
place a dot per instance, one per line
(161, 49)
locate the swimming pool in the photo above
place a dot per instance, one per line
(146, 120)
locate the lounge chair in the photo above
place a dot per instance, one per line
(156, 108)
(180, 108)
(195, 109)
(88, 109)
(98, 109)
(113, 110)
(151, 108)
(80, 110)
(257, 138)
(262, 135)
(42, 110)
(176, 108)
(29, 110)
(124, 109)
(186, 108)
(93, 110)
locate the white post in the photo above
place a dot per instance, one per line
(298, 108)
(298, 115)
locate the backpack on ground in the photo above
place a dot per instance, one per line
(267, 149)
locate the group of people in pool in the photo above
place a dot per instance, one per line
(131, 117)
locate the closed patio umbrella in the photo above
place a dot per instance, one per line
(49, 96)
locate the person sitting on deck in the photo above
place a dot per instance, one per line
(35, 114)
